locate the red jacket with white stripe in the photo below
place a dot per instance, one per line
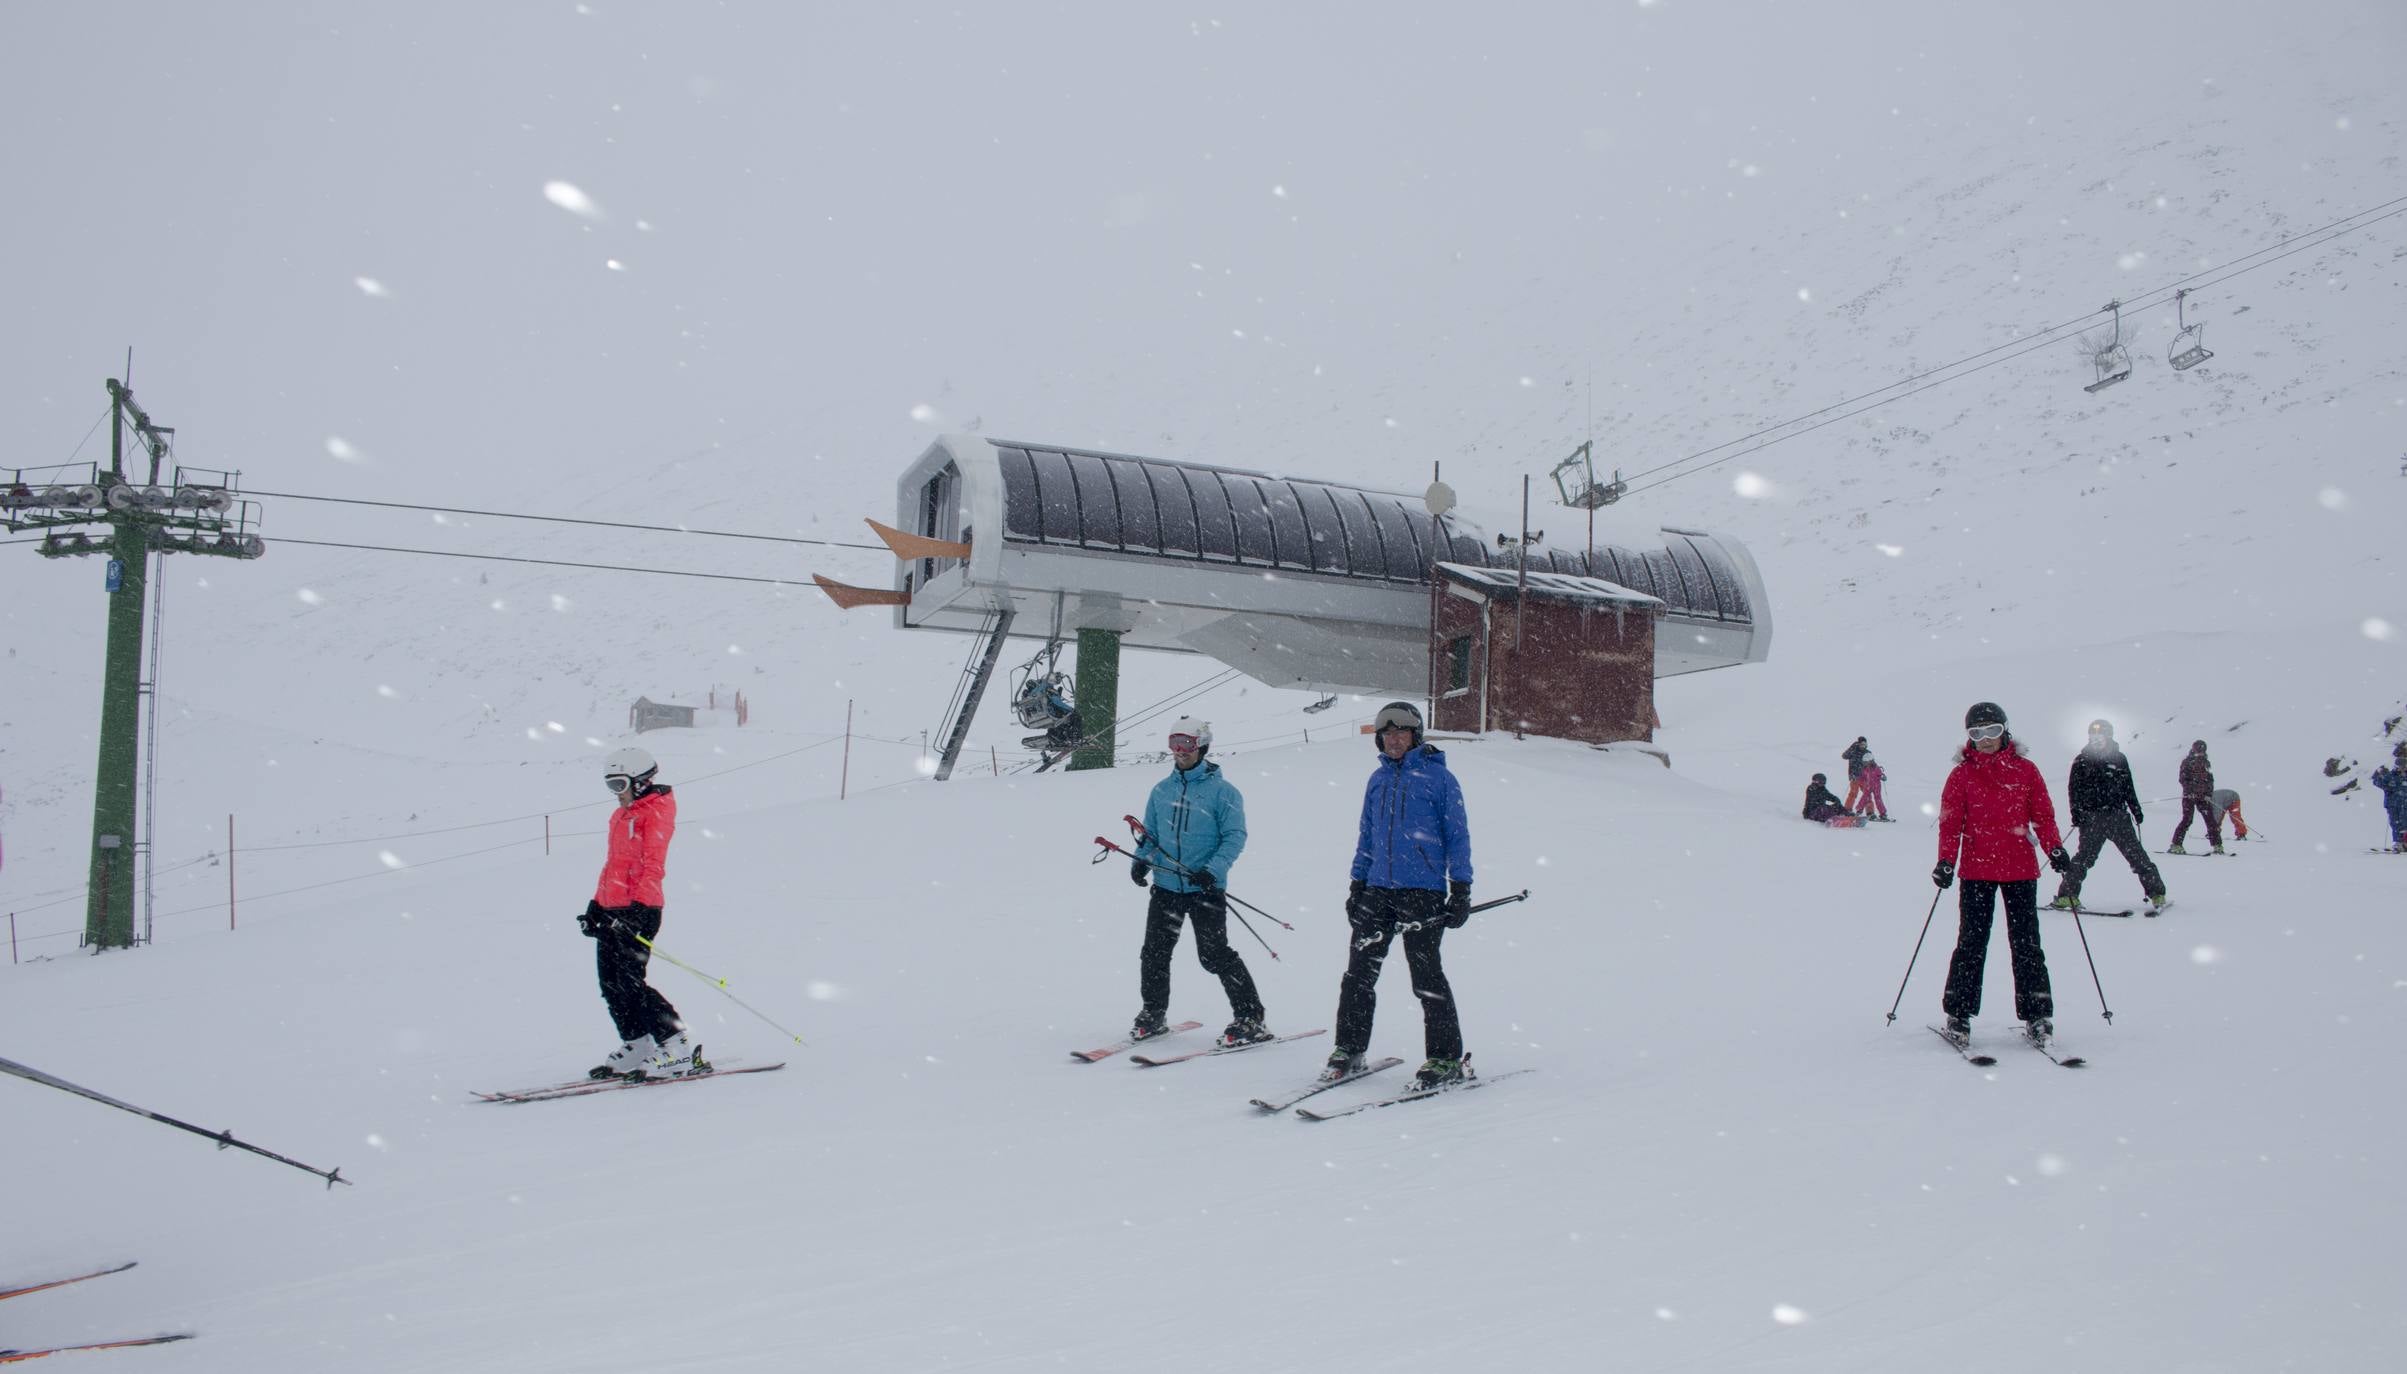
(1987, 811)
(639, 851)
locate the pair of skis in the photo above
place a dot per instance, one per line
(16, 1356)
(1974, 1057)
(586, 1087)
(1291, 1100)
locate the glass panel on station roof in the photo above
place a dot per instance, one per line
(1022, 518)
(1729, 589)
(1057, 495)
(1140, 524)
(1404, 537)
(1214, 493)
(1177, 506)
(1701, 599)
(1666, 575)
(1321, 520)
(1252, 510)
(1366, 553)
(1293, 542)
(1098, 504)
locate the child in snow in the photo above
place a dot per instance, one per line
(1871, 778)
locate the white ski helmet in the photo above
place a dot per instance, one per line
(1198, 730)
(635, 766)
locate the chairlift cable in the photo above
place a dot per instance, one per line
(572, 520)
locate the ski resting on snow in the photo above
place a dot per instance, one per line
(61, 1283)
(1131, 1042)
(1274, 1105)
(13, 1356)
(1963, 1048)
(1146, 1061)
(590, 1086)
(1458, 1085)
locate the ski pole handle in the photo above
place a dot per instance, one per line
(1410, 926)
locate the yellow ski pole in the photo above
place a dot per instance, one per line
(720, 984)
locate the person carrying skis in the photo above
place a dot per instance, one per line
(2197, 793)
(1820, 802)
(626, 905)
(1412, 866)
(1872, 777)
(1194, 831)
(2104, 805)
(1993, 800)
(1855, 755)
(2391, 781)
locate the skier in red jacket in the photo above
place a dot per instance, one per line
(1993, 800)
(626, 904)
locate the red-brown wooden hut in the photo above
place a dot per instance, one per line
(1564, 656)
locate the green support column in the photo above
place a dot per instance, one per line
(109, 911)
(1098, 697)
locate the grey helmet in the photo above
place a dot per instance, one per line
(1394, 714)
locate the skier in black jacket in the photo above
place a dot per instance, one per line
(2106, 807)
(1820, 802)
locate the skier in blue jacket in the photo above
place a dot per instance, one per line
(1194, 830)
(1412, 865)
(2392, 782)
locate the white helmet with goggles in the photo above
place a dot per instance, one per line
(629, 769)
(1187, 734)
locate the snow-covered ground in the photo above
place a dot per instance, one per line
(1726, 1159)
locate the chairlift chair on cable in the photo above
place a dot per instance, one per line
(1591, 494)
(2113, 362)
(2189, 346)
(1042, 699)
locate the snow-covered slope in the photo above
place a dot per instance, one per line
(1726, 1159)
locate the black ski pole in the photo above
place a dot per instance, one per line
(1926, 931)
(1138, 828)
(1410, 926)
(2093, 967)
(1109, 849)
(224, 1139)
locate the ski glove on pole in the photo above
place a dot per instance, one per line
(2137, 818)
(1138, 871)
(594, 920)
(1944, 876)
(1204, 881)
(1354, 901)
(1458, 905)
(2059, 860)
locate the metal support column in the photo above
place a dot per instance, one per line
(1098, 698)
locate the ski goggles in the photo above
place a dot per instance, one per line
(1184, 744)
(618, 783)
(1985, 731)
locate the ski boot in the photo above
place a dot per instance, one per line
(626, 1059)
(1149, 1023)
(2176, 848)
(676, 1057)
(2157, 901)
(2066, 901)
(1246, 1030)
(1435, 1072)
(2218, 849)
(1958, 1031)
(1343, 1064)
(2040, 1030)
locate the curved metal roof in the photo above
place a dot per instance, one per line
(1116, 503)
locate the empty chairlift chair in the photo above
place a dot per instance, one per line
(2113, 362)
(2189, 346)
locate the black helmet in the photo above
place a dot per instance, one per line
(2197, 746)
(1394, 714)
(1984, 713)
(1819, 778)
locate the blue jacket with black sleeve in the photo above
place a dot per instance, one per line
(1414, 830)
(1195, 819)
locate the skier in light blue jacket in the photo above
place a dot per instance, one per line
(1194, 830)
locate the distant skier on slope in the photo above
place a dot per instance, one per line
(2392, 782)
(1855, 754)
(1872, 777)
(2197, 795)
(2104, 806)
(1412, 863)
(627, 903)
(1993, 800)
(1821, 804)
(1194, 831)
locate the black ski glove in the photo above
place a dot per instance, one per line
(1138, 870)
(1204, 881)
(2137, 818)
(1354, 901)
(594, 920)
(1458, 905)
(1944, 875)
(2059, 860)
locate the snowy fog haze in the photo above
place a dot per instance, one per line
(732, 268)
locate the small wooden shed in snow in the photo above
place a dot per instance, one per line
(1564, 656)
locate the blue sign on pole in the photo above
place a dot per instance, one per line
(116, 576)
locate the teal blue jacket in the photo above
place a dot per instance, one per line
(1195, 819)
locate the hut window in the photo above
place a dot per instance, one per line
(1458, 664)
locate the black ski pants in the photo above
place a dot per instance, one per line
(1210, 911)
(1382, 909)
(1976, 911)
(2206, 811)
(635, 1008)
(2098, 827)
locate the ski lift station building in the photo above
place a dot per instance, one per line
(1296, 583)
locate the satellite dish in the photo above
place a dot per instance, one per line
(1439, 498)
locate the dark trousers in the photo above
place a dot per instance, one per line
(1383, 909)
(2206, 812)
(1210, 912)
(1976, 911)
(619, 960)
(2098, 827)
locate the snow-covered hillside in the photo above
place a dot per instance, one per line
(1265, 240)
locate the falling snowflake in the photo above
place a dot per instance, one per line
(569, 197)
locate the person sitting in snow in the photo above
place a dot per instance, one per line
(1821, 804)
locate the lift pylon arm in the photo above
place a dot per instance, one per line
(911, 546)
(849, 597)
